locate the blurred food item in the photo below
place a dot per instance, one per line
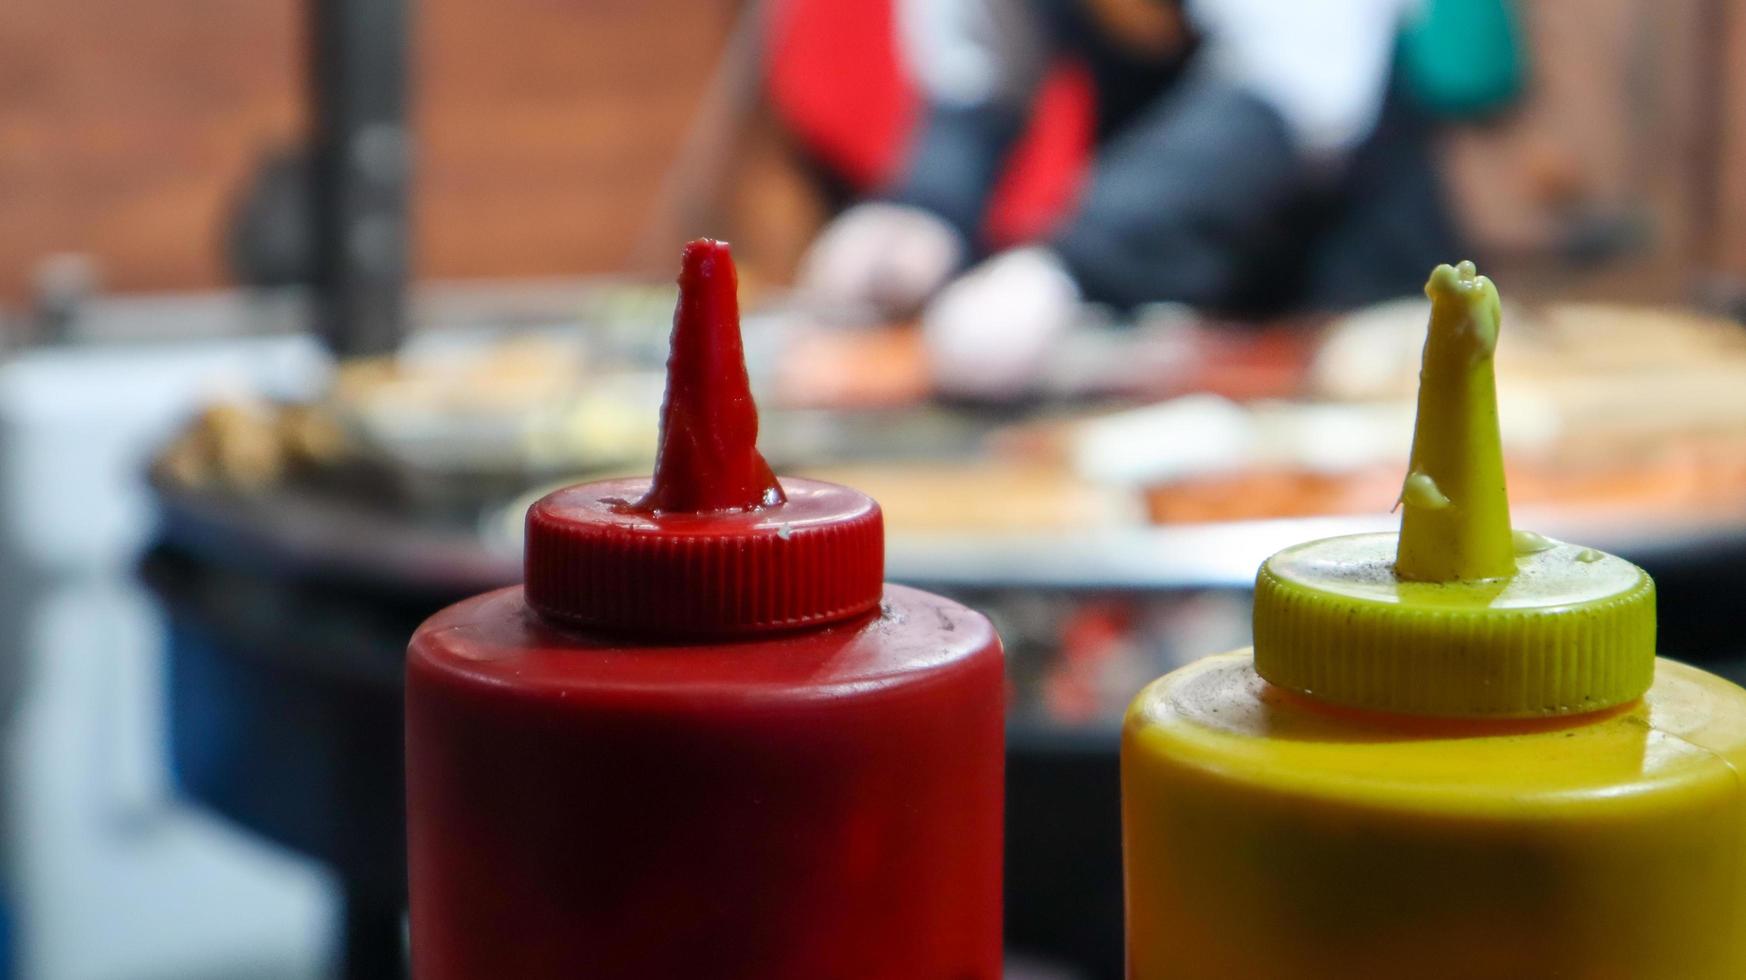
(985, 495)
(523, 405)
(1689, 473)
(464, 413)
(1168, 351)
(1618, 384)
(1612, 408)
(1243, 362)
(1617, 408)
(1200, 436)
(1204, 434)
(311, 435)
(631, 318)
(877, 368)
(1599, 336)
(509, 376)
(1691, 476)
(248, 445)
(1171, 350)
(1202, 458)
(1259, 494)
(1374, 353)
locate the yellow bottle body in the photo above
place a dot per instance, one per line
(1268, 836)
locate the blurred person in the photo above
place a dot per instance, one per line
(1251, 157)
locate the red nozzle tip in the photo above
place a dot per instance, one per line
(708, 458)
(713, 547)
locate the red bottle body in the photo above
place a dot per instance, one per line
(814, 805)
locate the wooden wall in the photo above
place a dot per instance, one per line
(543, 126)
(1619, 115)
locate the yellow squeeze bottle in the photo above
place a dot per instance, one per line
(1451, 753)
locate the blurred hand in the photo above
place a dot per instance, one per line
(989, 334)
(881, 261)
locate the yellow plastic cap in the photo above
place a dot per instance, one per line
(1458, 615)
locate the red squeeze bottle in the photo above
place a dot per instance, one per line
(705, 740)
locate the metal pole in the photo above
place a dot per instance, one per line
(361, 164)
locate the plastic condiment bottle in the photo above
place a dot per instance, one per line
(705, 740)
(1451, 753)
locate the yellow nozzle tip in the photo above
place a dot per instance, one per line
(1450, 277)
(1459, 293)
(1446, 280)
(1455, 524)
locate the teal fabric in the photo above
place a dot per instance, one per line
(1462, 58)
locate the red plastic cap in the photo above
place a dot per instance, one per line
(711, 544)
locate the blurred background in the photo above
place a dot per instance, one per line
(1105, 300)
